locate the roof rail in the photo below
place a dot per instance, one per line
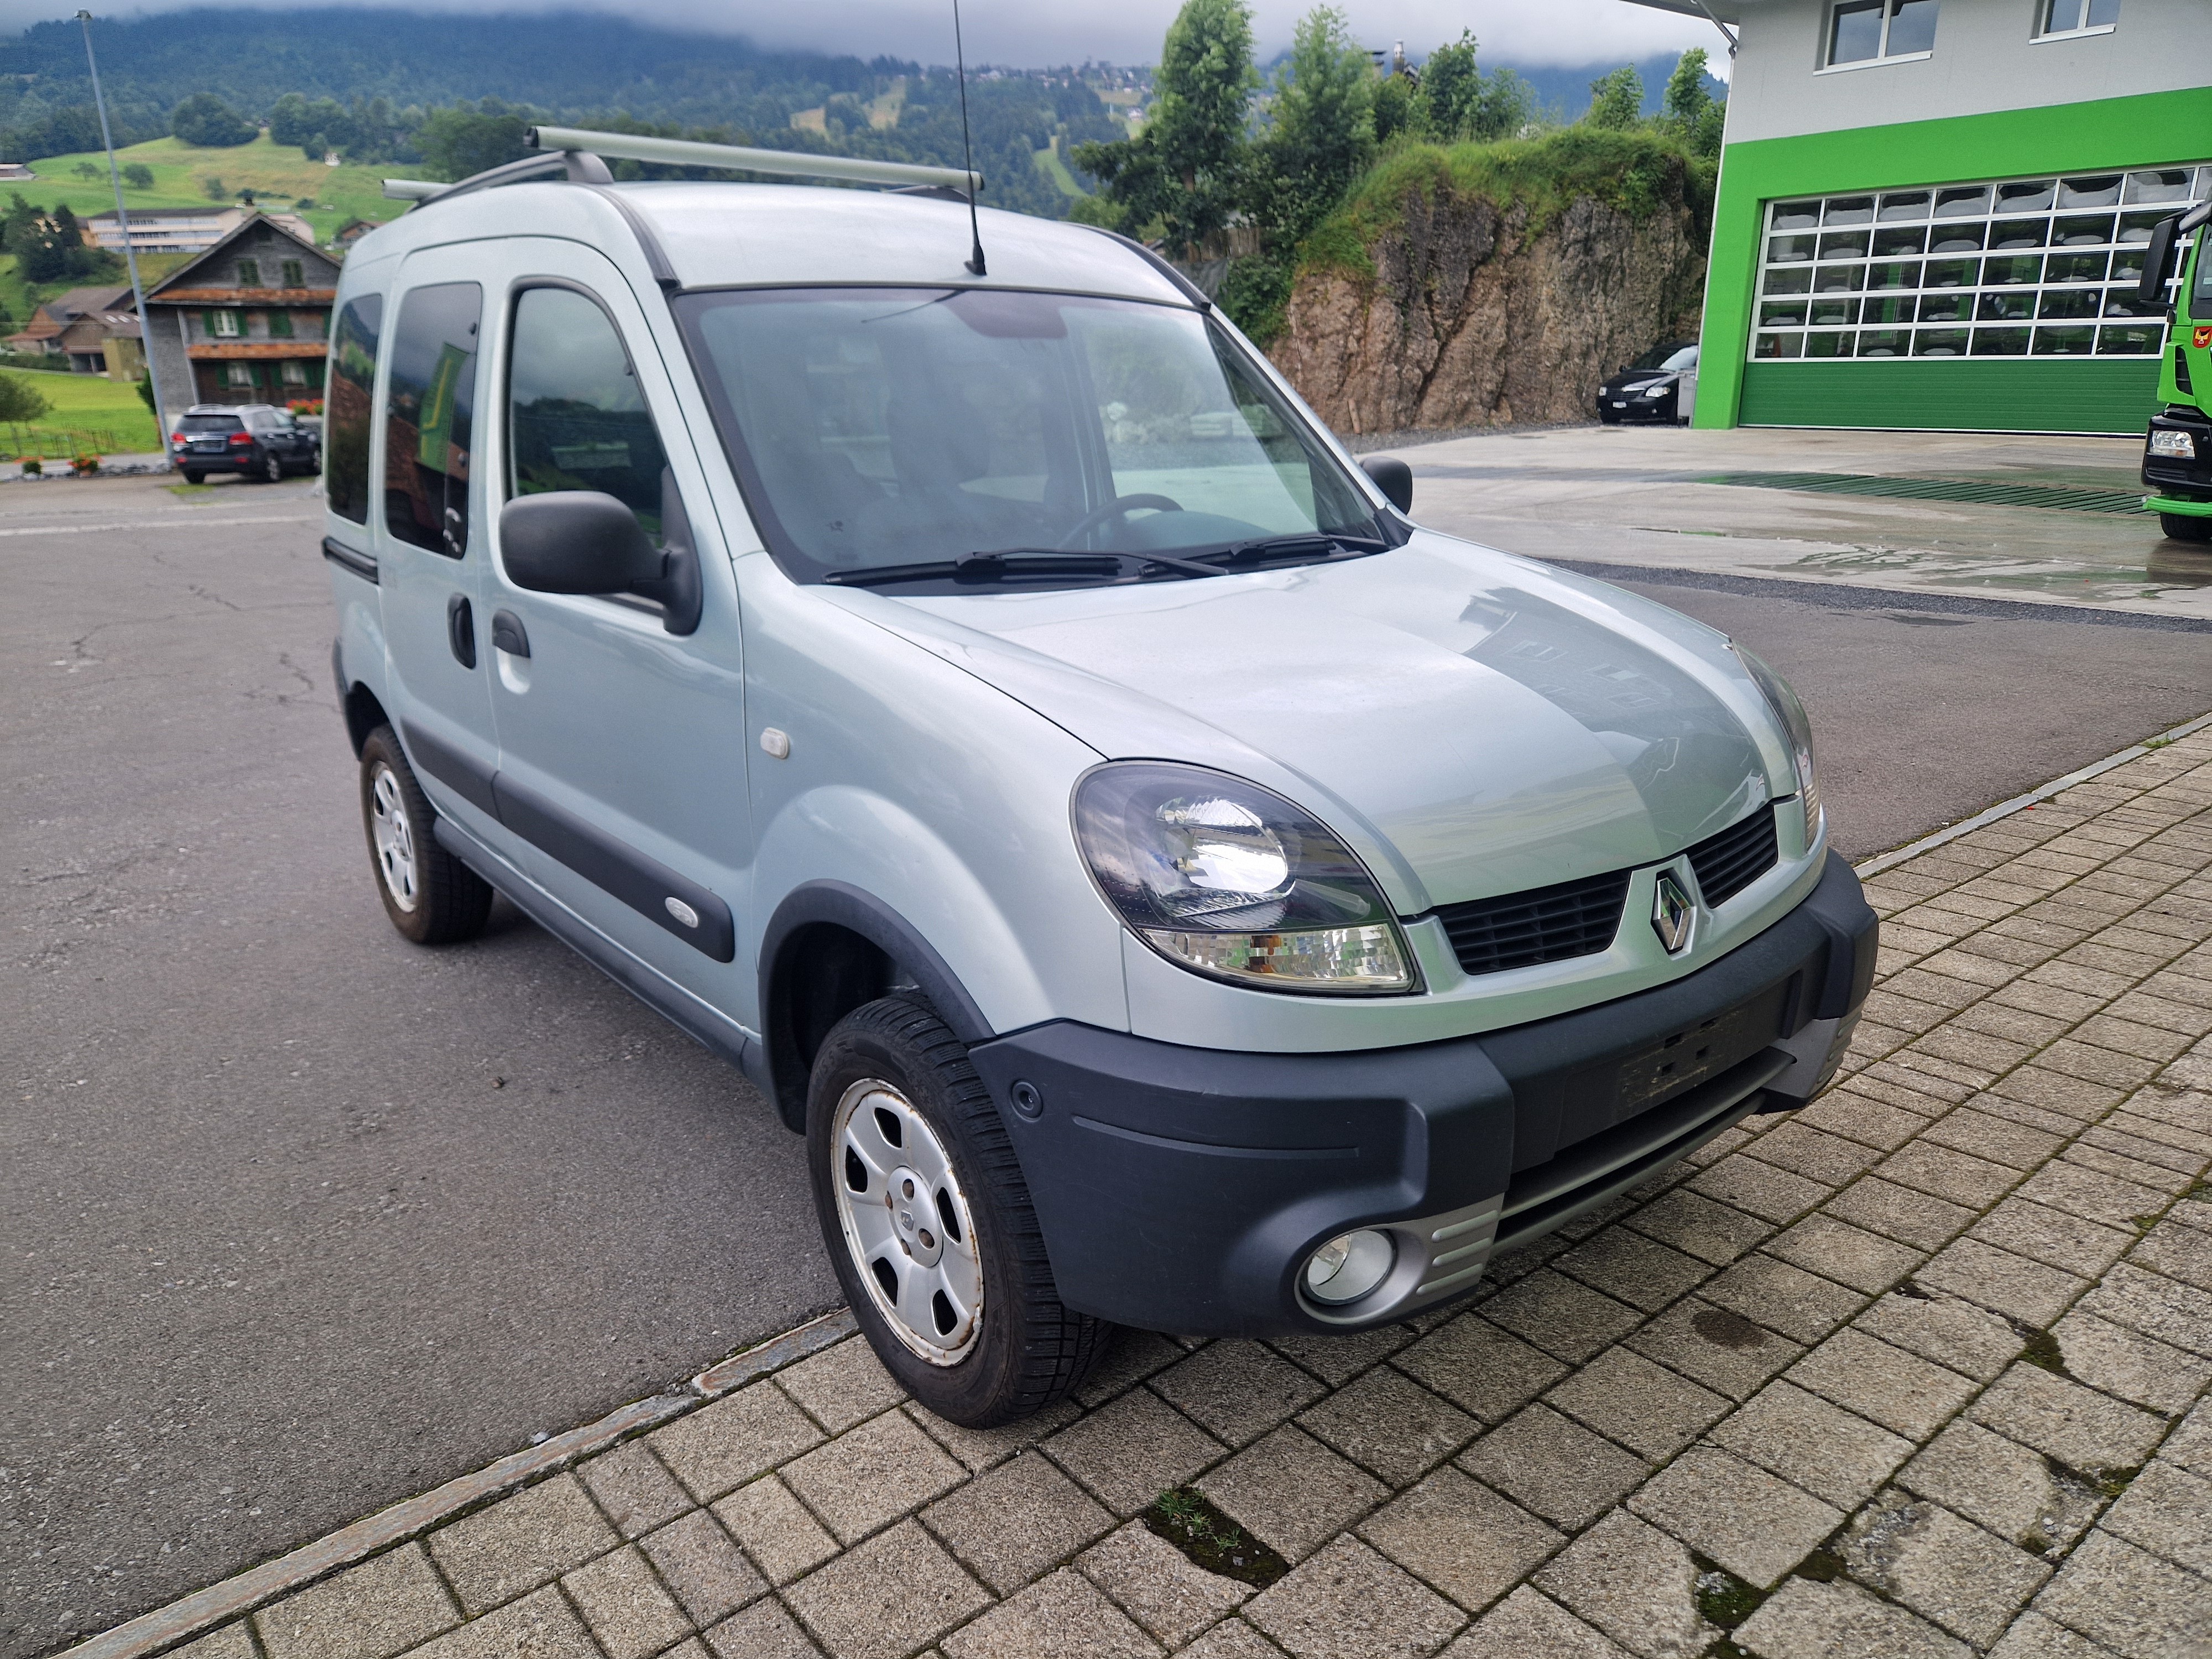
(784, 163)
(578, 167)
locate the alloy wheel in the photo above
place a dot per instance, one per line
(907, 1222)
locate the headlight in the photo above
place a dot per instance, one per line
(1659, 391)
(1791, 713)
(2179, 445)
(1232, 881)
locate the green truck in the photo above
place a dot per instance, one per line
(2177, 466)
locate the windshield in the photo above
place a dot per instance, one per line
(877, 428)
(1673, 358)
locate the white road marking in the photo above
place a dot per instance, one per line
(147, 524)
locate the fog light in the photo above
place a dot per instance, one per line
(1349, 1266)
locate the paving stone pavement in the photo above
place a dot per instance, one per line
(1918, 1371)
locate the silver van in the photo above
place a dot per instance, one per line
(938, 662)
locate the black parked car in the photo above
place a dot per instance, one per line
(1659, 385)
(258, 439)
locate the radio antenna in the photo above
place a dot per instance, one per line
(967, 146)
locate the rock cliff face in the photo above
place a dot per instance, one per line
(1468, 319)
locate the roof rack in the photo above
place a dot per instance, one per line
(575, 154)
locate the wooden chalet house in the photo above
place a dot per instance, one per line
(246, 322)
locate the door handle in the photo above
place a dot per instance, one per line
(461, 630)
(508, 634)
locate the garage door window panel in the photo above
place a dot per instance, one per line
(2092, 258)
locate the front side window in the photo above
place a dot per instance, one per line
(576, 419)
(352, 389)
(895, 427)
(1869, 31)
(428, 411)
(2200, 290)
(2074, 16)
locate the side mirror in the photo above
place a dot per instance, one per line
(2156, 258)
(575, 540)
(1393, 478)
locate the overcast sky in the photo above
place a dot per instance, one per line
(1033, 33)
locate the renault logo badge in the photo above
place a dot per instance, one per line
(1672, 914)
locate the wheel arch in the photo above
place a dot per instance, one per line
(829, 948)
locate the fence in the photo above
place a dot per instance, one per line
(61, 444)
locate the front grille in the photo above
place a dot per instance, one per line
(1546, 923)
(1728, 863)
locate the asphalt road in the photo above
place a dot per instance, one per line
(298, 1219)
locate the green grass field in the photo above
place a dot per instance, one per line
(89, 412)
(277, 174)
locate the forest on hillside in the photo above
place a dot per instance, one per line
(447, 92)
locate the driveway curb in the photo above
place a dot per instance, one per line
(195, 1615)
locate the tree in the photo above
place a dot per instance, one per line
(1185, 170)
(461, 141)
(1508, 106)
(1451, 86)
(1324, 132)
(85, 170)
(205, 121)
(1617, 100)
(138, 176)
(1691, 111)
(213, 189)
(1399, 109)
(21, 402)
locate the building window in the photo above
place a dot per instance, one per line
(294, 274)
(1878, 31)
(2062, 17)
(294, 373)
(225, 324)
(280, 324)
(249, 273)
(2009, 268)
(238, 375)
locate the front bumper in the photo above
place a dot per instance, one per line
(2179, 483)
(1181, 1189)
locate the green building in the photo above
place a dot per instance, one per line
(1932, 213)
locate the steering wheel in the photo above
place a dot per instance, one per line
(1115, 509)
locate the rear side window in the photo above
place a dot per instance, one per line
(576, 419)
(430, 417)
(352, 391)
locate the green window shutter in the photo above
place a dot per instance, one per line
(294, 274)
(280, 324)
(207, 323)
(249, 273)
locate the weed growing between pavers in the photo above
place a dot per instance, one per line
(1212, 1539)
(2041, 1349)
(1722, 1598)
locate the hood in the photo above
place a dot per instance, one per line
(1494, 724)
(1641, 377)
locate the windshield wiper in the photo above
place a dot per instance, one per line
(1000, 563)
(1317, 546)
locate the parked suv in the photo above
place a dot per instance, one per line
(1165, 884)
(257, 440)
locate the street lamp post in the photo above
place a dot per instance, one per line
(130, 253)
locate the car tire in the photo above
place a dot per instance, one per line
(193, 476)
(431, 897)
(893, 1103)
(2186, 527)
(271, 468)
